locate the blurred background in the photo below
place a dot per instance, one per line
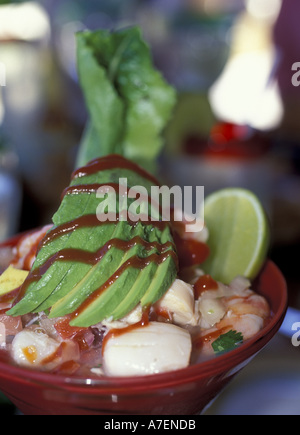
(236, 122)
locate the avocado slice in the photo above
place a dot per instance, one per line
(98, 275)
(133, 255)
(161, 282)
(133, 297)
(79, 271)
(126, 292)
(145, 282)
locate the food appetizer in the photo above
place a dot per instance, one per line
(112, 287)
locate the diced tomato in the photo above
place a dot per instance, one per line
(13, 325)
(65, 330)
(66, 352)
(83, 336)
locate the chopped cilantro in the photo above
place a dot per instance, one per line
(227, 342)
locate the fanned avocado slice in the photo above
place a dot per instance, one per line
(97, 276)
(95, 270)
(126, 292)
(106, 268)
(138, 289)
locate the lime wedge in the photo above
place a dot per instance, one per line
(239, 234)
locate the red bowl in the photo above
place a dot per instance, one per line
(183, 392)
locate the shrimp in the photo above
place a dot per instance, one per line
(228, 308)
(25, 251)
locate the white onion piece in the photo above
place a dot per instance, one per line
(179, 301)
(212, 311)
(240, 284)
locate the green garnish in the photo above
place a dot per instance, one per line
(227, 342)
(128, 100)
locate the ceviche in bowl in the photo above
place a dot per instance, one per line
(103, 293)
(186, 391)
(86, 301)
(117, 307)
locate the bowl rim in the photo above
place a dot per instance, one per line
(233, 360)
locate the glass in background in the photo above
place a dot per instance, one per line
(10, 194)
(36, 109)
(193, 41)
(221, 139)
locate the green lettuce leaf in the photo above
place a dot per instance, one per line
(128, 100)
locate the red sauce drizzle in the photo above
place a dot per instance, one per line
(88, 188)
(113, 161)
(204, 283)
(89, 221)
(191, 252)
(113, 333)
(199, 341)
(117, 188)
(212, 336)
(9, 297)
(92, 258)
(134, 262)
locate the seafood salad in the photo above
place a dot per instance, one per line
(137, 304)
(105, 290)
